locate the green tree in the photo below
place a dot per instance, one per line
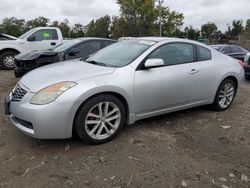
(208, 28)
(13, 26)
(118, 27)
(191, 33)
(37, 22)
(247, 28)
(139, 16)
(171, 21)
(90, 29)
(102, 27)
(236, 28)
(77, 31)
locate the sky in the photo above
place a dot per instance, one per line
(196, 12)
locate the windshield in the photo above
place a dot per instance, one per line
(25, 35)
(66, 45)
(121, 53)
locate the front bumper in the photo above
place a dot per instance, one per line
(51, 121)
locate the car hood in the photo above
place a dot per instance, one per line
(36, 54)
(73, 70)
(17, 41)
(8, 37)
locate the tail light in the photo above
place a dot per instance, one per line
(241, 63)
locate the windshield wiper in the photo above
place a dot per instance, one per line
(96, 63)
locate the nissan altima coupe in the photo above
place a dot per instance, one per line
(120, 84)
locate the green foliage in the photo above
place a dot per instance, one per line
(13, 26)
(77, 31)
(247, 28)
(37, 22)
(208, 28)
(191, 33)
(99, 28)
(171, 21)
(236, 28)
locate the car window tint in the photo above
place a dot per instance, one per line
(226, 50)
(89, 47)
(107, 43)
(204, 54)
(175, 53)
(45, 34)
(235, 49)
(241, 49)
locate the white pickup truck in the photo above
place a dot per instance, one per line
(39, 38)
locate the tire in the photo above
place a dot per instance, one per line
(7, 60)
(222, 92)
(90, 121)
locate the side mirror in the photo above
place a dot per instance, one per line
(73, 51)
(31, 38)
(151, 63)
(223, 52)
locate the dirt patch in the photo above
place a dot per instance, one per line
(193, 148)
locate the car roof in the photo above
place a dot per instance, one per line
(169, 39)
(92, 38)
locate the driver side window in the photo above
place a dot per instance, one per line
(174, 53)
(44, 34)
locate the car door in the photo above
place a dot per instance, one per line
(182, 81)
(43, 39)
(238, 53)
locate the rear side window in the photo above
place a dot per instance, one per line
(45, 34)
(204, 54)
(107, 43)
(235, 49)
(175, 53)
(226, 50)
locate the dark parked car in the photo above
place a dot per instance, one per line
(232, 51)
(246, 66)
(73, 49)
(6, 37)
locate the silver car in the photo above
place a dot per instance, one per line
(125, 82)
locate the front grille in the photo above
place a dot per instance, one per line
(18, 93)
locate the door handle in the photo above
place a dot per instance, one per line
(53, 43)
(193, 71)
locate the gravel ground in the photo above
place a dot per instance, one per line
(191, 148)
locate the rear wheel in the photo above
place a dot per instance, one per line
(100, 119)
(7, 60)
(225, 95)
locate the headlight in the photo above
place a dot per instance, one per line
(49, 94)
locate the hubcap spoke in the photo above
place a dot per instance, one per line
(226, 95)
(102, 120)
(113, 117)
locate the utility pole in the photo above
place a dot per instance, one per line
(160, 2)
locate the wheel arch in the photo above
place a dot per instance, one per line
(9, 49)
(118, 95)
(231, 77)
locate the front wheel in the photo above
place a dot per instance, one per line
(7, 60)
(100, 119)
(225, 95)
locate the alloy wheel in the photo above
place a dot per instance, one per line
(102, 120)
(226, 95)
